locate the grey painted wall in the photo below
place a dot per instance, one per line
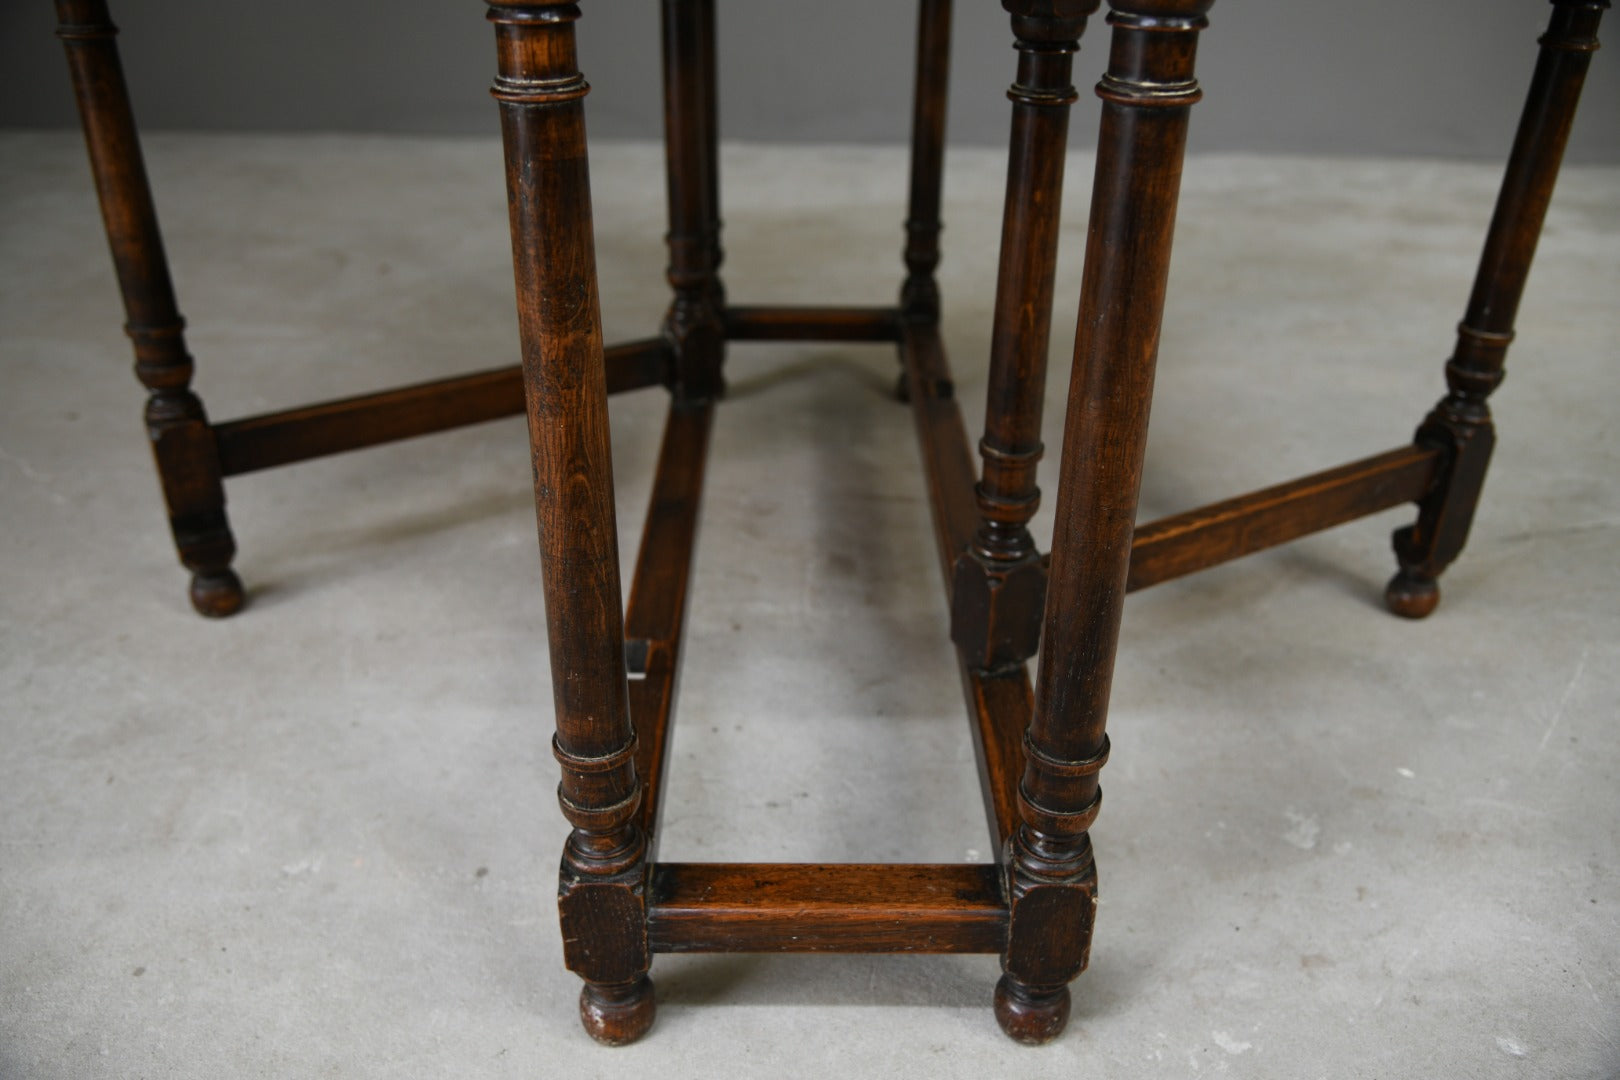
(1389, 77)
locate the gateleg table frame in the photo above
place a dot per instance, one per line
(1041, 741)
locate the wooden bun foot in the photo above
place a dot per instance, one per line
(1411, 596)
(617, 1015)
(217, 595)
(1030, 1016)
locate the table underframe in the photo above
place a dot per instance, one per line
(1040, 737)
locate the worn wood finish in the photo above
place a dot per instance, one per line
(334, 427)
(656, 617)
(777, 323)
(183, 449)
(1147, 93)
(1199, 539)
(695, 323)
(1000, 587)
(1040, 746)
(1461, 424)
(1000, 704)
(601, 895)
(793, 907)
(943, 439)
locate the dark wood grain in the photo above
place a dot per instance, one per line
(656, 616)
(1461, 424)
(601, 894)
(183, 446)
(999, 703)
(1198, 539)
(792, 907)
(942, 437)
(1147, 93)
(1041, 745)
(1000, 587)
(334, 427)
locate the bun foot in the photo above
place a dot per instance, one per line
(1411, 596)
(217, 595)
(1031, 1016)
(617, 1015)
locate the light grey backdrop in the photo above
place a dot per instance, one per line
(1400, 77)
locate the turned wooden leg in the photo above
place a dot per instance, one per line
(708, 62)
(1052, 880)
(919, 295)
(695, 324)
(602, 894)
(1460, 424)
(183, 444)
(999, 583)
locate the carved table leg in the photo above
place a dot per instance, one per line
(1460, 424)
(183, 444)
(695, 325)
(1052, 880)
(999, 583)
(602, 894)
(919, 295)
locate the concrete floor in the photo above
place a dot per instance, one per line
(320, 838)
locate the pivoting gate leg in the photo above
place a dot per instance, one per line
(602, 893)
(1460, 425)
(1052, 882)
(919, 296)
(1036, 907)
(183, 444)
(919, 293)
(999, 583)
(695, 324)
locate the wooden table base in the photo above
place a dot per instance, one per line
(1040, 743)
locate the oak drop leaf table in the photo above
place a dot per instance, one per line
(1040, 743)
